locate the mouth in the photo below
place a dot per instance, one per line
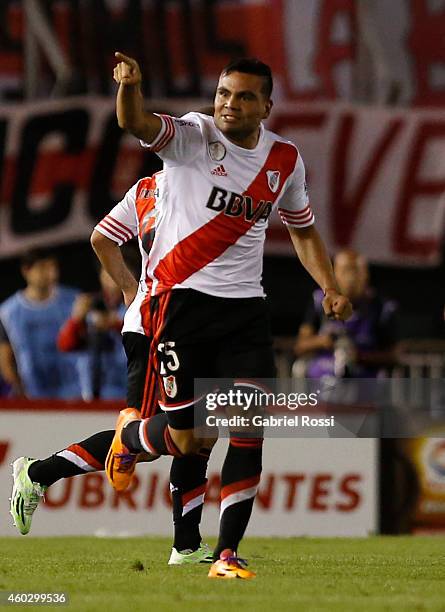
(229, 118)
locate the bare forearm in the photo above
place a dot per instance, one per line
(129, 104)
(110, 256)
(131, 115)
(313, 255)
(129, 110)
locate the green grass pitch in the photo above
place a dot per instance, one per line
(379, 573)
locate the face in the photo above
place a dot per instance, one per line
(240, 105)
(42, 275)
(351, 272)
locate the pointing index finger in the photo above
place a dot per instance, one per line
(124, 58)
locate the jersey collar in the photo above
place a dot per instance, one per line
(242, 150)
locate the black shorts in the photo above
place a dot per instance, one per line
(141, 377)
(202, 336)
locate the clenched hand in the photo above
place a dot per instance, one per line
(337, 306)
(127, 71)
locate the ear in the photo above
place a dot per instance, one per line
(268, 107)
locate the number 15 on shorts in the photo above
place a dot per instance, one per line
(169, 358)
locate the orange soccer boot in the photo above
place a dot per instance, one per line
(120, 462)
(230, 566)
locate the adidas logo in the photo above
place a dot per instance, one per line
(219, 171)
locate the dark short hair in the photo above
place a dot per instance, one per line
(29, 258)
(251, 65)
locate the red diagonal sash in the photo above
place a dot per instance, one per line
(211, 240)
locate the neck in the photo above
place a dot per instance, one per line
(246, 141)
(38, 294)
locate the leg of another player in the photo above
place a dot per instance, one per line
(80, 458)
(188, 473)
(32, 477)
(188, 483)
(158, 436)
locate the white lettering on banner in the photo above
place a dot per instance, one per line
(376, 177)
(294, 491)
(323, 487)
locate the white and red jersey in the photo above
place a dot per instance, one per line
(216, 201)
(136, 215)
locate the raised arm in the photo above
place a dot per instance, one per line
(312, 254)
(129, 103)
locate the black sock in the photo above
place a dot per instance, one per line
(152, 437)
(240, 477)
(80, 458)
(187, 485)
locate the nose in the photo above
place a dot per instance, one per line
(231, 102)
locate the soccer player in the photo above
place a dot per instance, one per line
(135, 215)
(222, 177)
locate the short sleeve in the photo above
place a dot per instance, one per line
(180, 139)
(293, 206)
(121, 224)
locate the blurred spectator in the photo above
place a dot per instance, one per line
(361, 346)
(30, 321)
(95, 329)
